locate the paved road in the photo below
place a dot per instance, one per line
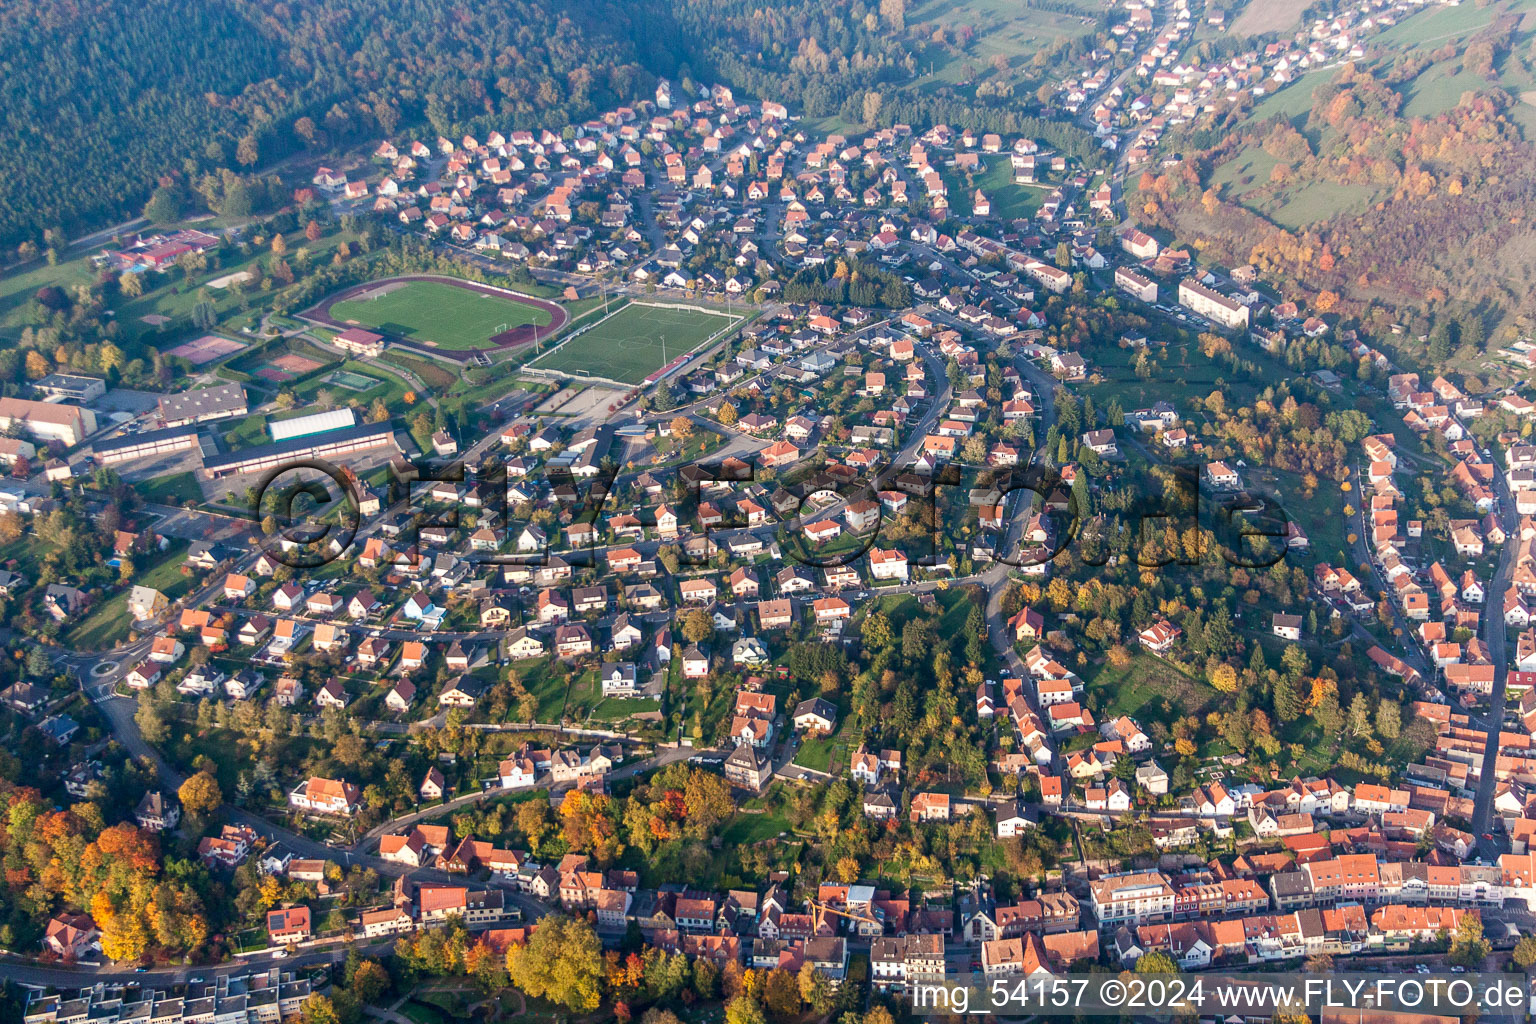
(1493, 633)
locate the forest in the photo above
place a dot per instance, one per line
(101, 101)
(101, 106)
(1445, 233)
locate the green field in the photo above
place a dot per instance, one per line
(629, 345)
(172, 489)
(1009, 201)
(1003, 28)
(440, 315)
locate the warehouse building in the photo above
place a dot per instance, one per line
(315, 423)
(149, 444)
(215, 403)
(329, 445)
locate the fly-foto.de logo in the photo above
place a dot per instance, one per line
(822, 518)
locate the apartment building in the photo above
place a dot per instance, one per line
(1211, 304)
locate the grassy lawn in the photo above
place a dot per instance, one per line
(1317, 201)
(1009, 201)
(1441, 25)
(1181, 371)
(760, 819)
(110, 620)
(165, 573)
(421, 1013)
(441, 315)
(616, 709)
(1143, 687)
(1319, 516)
(630, 344)
(27, 552)
(584, 694)
(230, 753)
(171, 489)
(107, 623)
(1003, 28)
(816, 752)
(16, 290)
(390, 387)
(545, 682)
(954, 606)
(1245, 172)
(250, 431)
(1246, 179)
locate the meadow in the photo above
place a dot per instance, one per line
(634, 342)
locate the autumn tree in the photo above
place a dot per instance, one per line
(1468, 947)
(744, 1010)
(815, 989)
(1156, 962)
(1389, 719)
(318, 1009)
(781, 994)
(698, 626)
(1224, 678)
(200, 795)
(562, 961)
(370, 981)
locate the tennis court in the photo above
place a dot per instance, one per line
(351, 381)
(438, 315)
(205, 349)
(286, 367)
(634, 342)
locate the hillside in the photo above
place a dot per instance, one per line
(98, 99)
(102, 98)
(850, 65)
(1355, 189)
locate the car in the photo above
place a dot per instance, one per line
(279, 954)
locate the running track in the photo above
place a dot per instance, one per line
(524, 334)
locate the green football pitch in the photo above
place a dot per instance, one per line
(636, 341)
(438, 315)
